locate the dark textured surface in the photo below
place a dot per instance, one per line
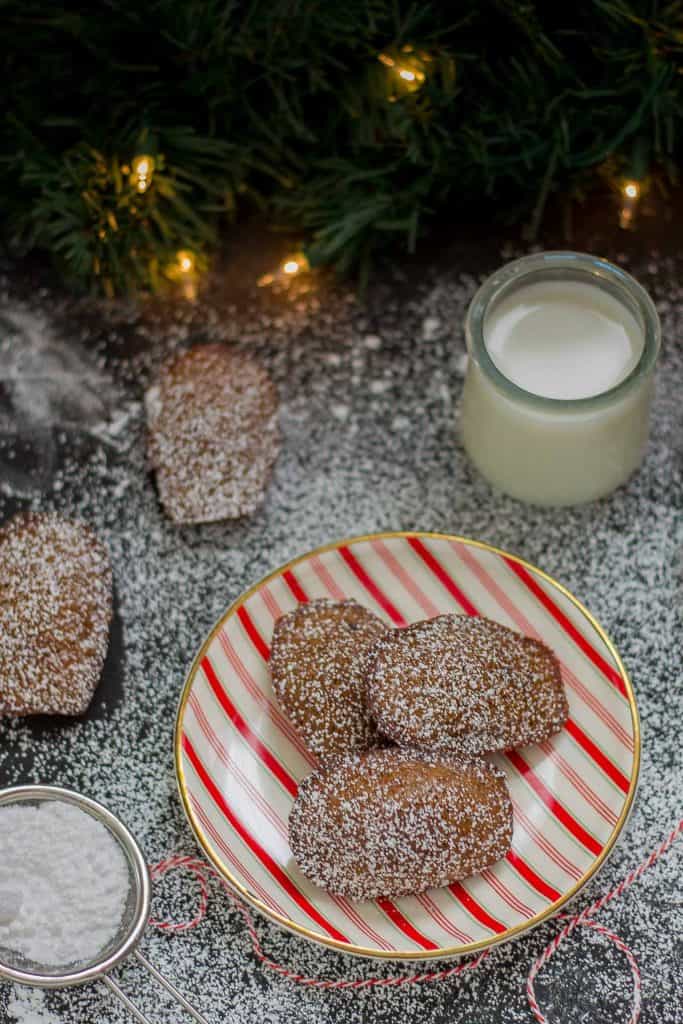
(369, 398)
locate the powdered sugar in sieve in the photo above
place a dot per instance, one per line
(74, 893)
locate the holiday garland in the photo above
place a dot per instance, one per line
(134, 132)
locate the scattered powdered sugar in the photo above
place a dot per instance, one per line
(71, 880)
(46, 385)
(431, 328)
(400, 423)
(619, 556)
(340, 411)
(28, 1006)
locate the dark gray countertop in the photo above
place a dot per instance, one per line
(369, 394)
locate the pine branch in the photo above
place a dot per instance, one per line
(287, 103)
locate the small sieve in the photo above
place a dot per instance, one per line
(15, 967)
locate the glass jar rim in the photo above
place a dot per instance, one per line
(584, 264)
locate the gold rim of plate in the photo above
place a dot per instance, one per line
(447, 952)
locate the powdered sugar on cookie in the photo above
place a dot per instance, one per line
(390, 822)
(319, 663)
(467, 684)
(55, 610)
(213, 434)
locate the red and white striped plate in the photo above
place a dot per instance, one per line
(239, 759)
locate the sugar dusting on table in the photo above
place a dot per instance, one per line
(620, 557)
(28, 1006)
(48, 384)
(69, 879)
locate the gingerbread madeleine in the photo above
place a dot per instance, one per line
(55, 611)
(213, 434)
(318, 664)
(392, 822)
(467, 684)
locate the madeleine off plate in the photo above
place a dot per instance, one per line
(239, 759)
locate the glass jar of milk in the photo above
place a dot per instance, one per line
(562, 350)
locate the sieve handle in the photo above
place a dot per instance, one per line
(170, 987)
(120, 994)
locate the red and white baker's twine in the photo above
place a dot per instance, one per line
(202, 870)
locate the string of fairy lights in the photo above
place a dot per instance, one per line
(407, 69)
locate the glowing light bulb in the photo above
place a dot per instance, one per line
(141, 171)
(630, 192)
(186, 261)
(295, 264)
(142, 166)
(406, 71)
(185, 271)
